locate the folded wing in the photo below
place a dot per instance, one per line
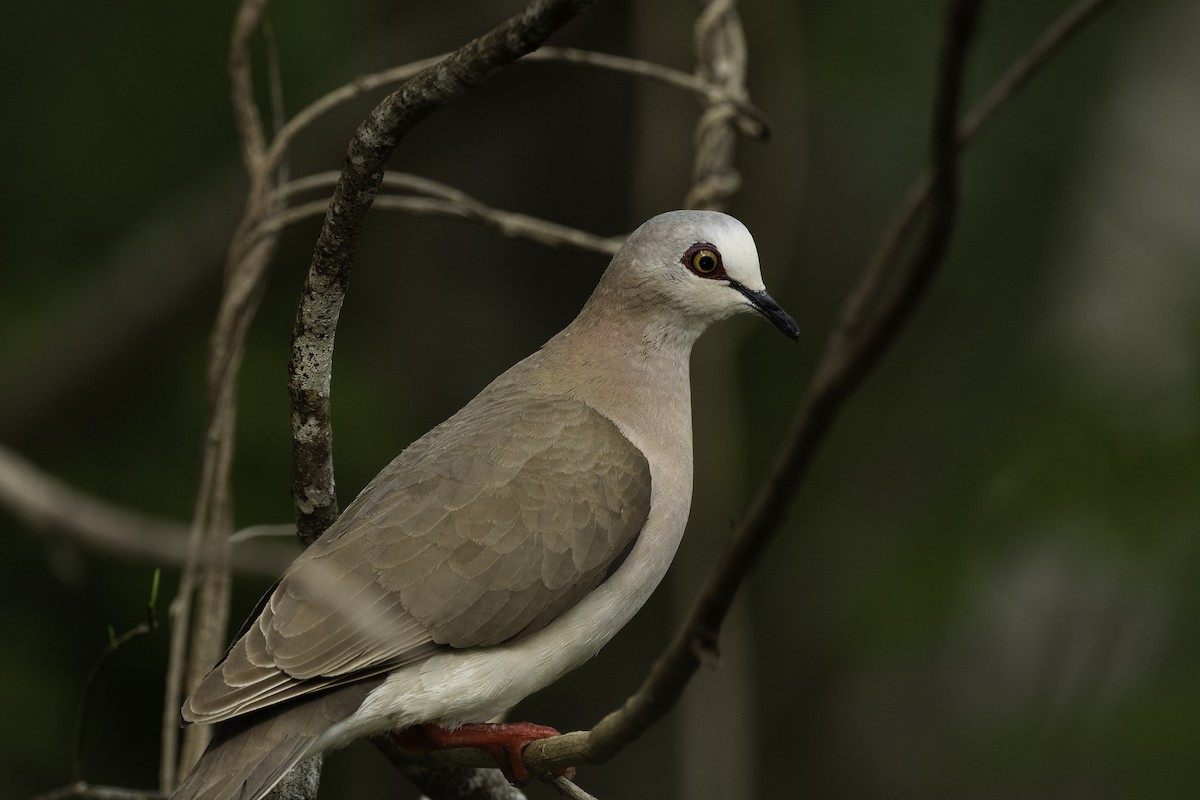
(484, 530)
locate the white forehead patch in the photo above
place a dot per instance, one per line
(662, 240)
(740, 255)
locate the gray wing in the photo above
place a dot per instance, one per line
(484, 530)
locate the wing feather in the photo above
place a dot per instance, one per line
(484, 530)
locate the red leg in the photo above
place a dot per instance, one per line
(504, 741)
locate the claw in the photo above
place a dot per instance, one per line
(503, 741)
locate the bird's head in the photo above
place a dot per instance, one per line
(701, 264)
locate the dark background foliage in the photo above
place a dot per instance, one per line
(986, 587)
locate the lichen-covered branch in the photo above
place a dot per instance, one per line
(329, 272)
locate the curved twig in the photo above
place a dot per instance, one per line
(324, 288)
(443, 201)
(751, 121)
(200, 610)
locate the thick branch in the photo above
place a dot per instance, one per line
(362, 174)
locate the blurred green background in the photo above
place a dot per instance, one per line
(985, 589)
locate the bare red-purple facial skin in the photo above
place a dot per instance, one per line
(704, 259)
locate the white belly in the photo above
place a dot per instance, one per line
(478, 684)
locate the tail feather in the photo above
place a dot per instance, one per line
(251, 753)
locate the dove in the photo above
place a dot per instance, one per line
(504, 547)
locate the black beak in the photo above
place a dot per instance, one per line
(765, 304)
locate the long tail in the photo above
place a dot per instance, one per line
(250, 754)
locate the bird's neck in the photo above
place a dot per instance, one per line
(638, 345)
(620, 362)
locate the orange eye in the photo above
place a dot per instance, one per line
(705, 261)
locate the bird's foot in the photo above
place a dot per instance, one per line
(503, 741)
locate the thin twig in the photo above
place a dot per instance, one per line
(568, 788)
(904, 222)
(443, 201)
(198, 635)
(507, 223)
(246, 118)
(115, 643)
(751, 121)
(340, 96)
(1069, 23)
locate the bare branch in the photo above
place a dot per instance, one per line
(148, 625)
(370, 149)
(1047, 45)
(751, 121)
(246, 118)
(198, 636)
(340, 96)
(324, 288)
(568, 788)
(507, 223)
(904, 222)
(444, 201)
(442, 778)
(48, 504)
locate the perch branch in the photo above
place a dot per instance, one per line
(667, 678)
(845, 362)
(843, 366)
